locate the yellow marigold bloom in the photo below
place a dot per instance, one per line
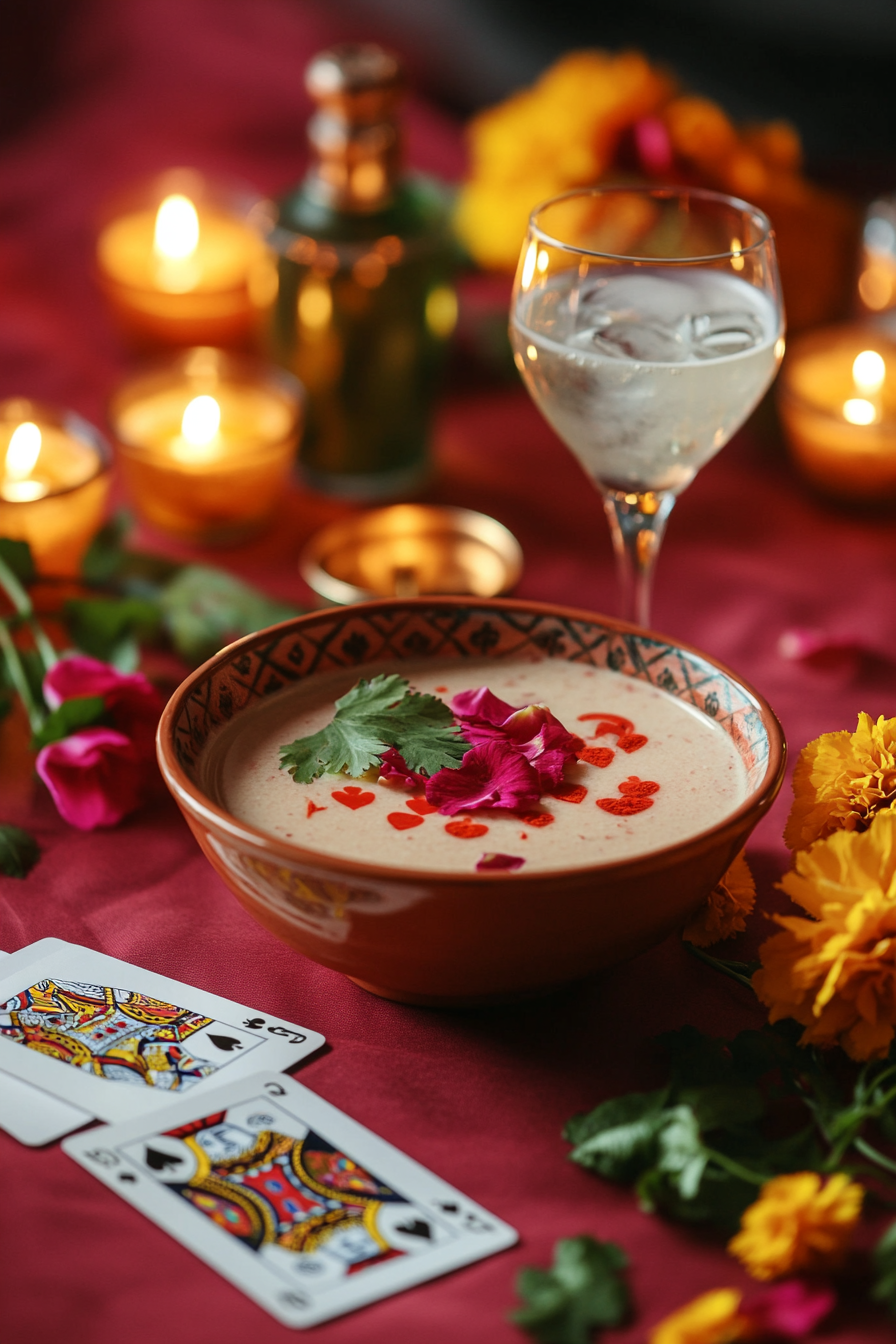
(711, 1318)
(841, 780)
(798, 1224)
(836, 973)
(724, 914)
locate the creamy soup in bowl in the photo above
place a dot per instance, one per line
(671, 760)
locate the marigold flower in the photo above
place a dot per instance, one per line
(725, 912)
(712, 1318)
(836, 972)
(800, 1222)
(841, 780)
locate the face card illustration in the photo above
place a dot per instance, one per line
(30, 1115)
(305, 1210)
(119, 1041)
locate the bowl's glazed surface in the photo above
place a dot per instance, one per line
(434, 938)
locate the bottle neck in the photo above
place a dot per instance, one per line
(355, 165)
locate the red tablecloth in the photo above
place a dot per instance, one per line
(480, 1097)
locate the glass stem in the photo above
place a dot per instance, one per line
(637, 523)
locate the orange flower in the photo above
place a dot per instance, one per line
(712, 1318)
(836, 973)
(729, 902)
(799, 1223)
(841, 780)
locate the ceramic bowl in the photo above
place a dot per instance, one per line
(444, 939)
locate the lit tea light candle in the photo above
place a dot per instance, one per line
(184, 262)
(207, 442)
(837, 396)
(54, 479)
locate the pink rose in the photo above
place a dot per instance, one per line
(96, 776)
(788, 1310)
(132, 703)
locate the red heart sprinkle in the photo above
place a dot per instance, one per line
(536, 818)
(569, 793)
(466, 829)
(608, 723)
(402, 822)
(639, 788)
(421, 806)
(312, 808)
(353, 797)
(599, 756)
(631, 742)
(624, 807)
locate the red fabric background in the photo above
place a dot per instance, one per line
(480, 1097)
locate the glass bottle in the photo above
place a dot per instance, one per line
(366, 301)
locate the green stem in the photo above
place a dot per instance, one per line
(735, 1169)
(22, 603)
(873, 1155)
(19, 678)
(718, 965)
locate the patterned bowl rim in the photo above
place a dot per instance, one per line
(216, 818)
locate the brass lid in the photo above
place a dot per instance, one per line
(409, 549)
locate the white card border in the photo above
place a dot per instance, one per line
(243, 1267)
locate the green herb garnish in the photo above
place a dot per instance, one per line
(582, 1291)
(372, 717)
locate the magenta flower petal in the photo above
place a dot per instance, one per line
(96, 777)
(499, 863)
(543, 740)
(481, 704)
(133, 704)
(791, 1309)
(492, 774)
(396, 770)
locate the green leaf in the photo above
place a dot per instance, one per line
(371, 717)
(584, 1290)
(17, 555)
(19, 851)
(105, 556)
(112, 628)
(618, 1138)
(884, 1260)
(204, 608)
(79, 712)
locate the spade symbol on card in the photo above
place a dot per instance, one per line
(449, 1208)
(253, 1023)
(415, 1228)
(225, 1043)
(161, 1161)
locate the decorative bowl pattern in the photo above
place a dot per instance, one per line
(428, 937)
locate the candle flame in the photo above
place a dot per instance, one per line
(177, 228)
(23, 451)
(201, 421)
(858, 411)
(868, 371)
(21, 458)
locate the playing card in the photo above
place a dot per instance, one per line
(119, 1041)
(299, 1206)
(27, 1113)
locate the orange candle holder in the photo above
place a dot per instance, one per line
(54, 480)
(182, 260)
(837, 401)
(206, 442)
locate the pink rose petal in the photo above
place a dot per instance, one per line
(791, 1309)
(395, 769)
(499, 863)
(96, 777)
(493, 774)
(133, 705)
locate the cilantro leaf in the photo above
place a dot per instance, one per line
(618, 1138)
(583, 1290)
(373, 716)
(111, 628)
(19, 851)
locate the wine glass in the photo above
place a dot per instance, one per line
(647, 323)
